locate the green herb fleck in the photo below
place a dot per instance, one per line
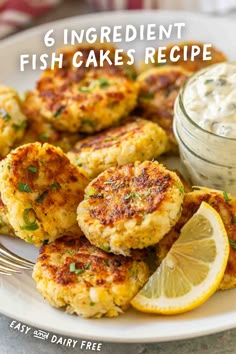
(181, 189)
(131, 75)
(19, 126)
(74, 270)
(5, 115)
(131, 195)
(88, 122)
(24, 187)
(45, 242)
(110, 139)
(29, 216)
(105, 261)
(59, 111)
(146, 96)
(147, 193)
(55, 185)
(44, 137)
(87, 265)
(232, 243)
(208, 81)
(30, 239)
(109, 182)
(79, 164)
(105, 248)
(234, 219)
(103, 83)
(71, 253)
(226, 197)
(32, 169)
(84, 89)
(91, 303)
(31, 227)
(41, 197)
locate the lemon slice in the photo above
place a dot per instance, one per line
(192, 270)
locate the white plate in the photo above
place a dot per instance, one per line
(18, 297)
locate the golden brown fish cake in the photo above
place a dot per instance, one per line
(190, 65)
(12, 119)
(131, 206)
(159, 88)
(39, 130)
(74, 275)
(84, 99)
(225, 205)
(137, 140)
(41, 190)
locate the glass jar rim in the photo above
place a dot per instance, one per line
(180, 98)
(175, 128)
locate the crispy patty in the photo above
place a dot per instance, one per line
(225, 205)
(12, 119)
(131, 206)
(137, 140)
(85, 99)
(159, 88)
(198, 62)
(82, 279)
(41, 190)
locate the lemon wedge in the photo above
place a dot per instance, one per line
(192, 270)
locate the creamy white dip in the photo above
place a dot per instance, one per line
(210, 99)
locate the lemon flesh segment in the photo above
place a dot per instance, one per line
(192, 270)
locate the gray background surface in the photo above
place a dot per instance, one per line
(13, 342)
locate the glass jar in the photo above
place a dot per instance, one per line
(210, 159)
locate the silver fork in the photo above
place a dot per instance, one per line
(10, 263)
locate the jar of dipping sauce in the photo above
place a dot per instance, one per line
(205, 126)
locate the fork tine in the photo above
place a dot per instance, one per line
(7, 262)
(14, 257)
(10, 270)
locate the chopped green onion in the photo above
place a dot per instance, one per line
(109, 182)
(32, 169)
(55, 185)
(110, 139)
(87, 265)
(88, 122)
(74, 270)
(59, 111)
(146, 96)
(19, 126)
(79, 271)
(105, 248)
(208, 81)
(131, 195)
(103, 83)
(232, 243)
(5, 115)
(84, 89)
(71, 253)
(31, 227)
(226, 197)
(105, 261)
(45, 242)
(148, 192)
(41, 197)
(91, 303)
(29, 216)
(24, 187)
(181, 189)
(72, 267)
(29, 239)
(44, 137)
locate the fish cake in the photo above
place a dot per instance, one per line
(41, 190)
(12, 119)
(190, 65)
(130, 206)
(82, 279)
(137, 140)
(158, 90)
(225, 205)
(84, 99)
